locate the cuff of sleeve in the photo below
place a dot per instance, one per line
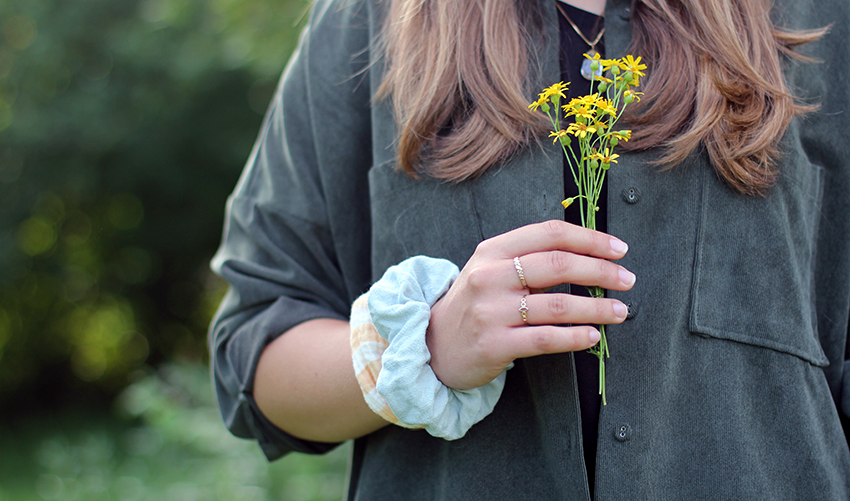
(275, 442)
(238, 342)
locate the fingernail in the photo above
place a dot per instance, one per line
(626, 276)
(618, 246)
(594, 336)
(620, 310)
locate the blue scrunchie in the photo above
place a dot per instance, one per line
(400, 307)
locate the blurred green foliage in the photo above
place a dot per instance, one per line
(170, 445)
(123, 126)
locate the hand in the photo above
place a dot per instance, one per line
(476, 329)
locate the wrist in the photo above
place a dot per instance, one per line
(399, 309)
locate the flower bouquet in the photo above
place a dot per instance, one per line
(592, 121)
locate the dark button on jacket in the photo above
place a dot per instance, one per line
(623, 432)
(631, 195)
(632, 308)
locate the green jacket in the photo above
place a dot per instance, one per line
(730, 380)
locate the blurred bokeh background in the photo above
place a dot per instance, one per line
(124, 125)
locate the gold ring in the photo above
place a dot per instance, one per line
(519, 272)
(523, 309)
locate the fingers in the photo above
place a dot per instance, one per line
(543, 331)
(554, 235)
(554, 309)
(543, 339)
(543, 255)
(548, 269)
(477, 327)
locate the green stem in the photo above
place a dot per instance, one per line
(601, 348)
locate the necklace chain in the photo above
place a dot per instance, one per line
(578, 31)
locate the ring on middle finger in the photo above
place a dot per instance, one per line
(519, 272)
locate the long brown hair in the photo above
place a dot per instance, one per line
(716, 80)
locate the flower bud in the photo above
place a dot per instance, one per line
(615, 70)
(566, 203)
(603, 86)
(628, 76)
(614, 141)
(594, 65)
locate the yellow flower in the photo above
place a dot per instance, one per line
(583, 111)
(589, 100)
(629, 63)
(555, 90)
(540, 102)
(604, 158)
(558, 135)
(603, 63)
(566, 203)
(572, 104)
(608, 63)
(606, 107)
(581, 130)
(580, 107)
(622, 135)
(629, 96)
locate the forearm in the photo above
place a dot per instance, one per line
(305, 384)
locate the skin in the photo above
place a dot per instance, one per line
(594, 6)
(305, 383)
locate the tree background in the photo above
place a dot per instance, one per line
(124, 125)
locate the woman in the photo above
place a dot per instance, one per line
(727, 310)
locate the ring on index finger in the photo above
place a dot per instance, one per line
(519, 272)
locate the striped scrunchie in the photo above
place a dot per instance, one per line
(391, 358)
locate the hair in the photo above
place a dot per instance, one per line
(715, 81)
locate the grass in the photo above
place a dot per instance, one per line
(164, 441)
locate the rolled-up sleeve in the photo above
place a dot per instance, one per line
(296, 238)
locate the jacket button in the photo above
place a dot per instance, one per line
(632, 310)
(623, 432)
(625, 14)
(631, 195)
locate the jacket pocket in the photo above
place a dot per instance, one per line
(753, 276)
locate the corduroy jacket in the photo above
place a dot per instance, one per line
(729, 379)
